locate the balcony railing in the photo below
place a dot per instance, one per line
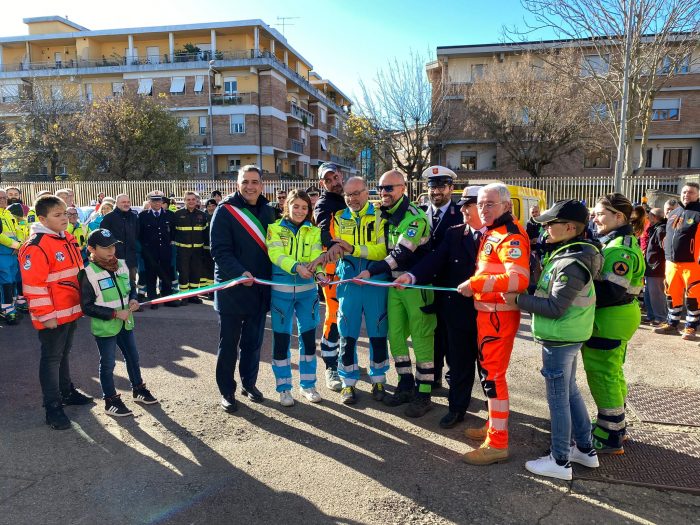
(333, 131)
(234, 99)
(343, 161)
(197, 141)
(300, 113)
(296, 146)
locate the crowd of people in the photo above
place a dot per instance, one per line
(453, 277)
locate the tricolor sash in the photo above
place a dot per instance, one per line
(250, 223)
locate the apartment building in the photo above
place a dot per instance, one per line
(674, 141)
(243, 92)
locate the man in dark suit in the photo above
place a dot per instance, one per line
(455, 261)
(156, 228)
(442, 215)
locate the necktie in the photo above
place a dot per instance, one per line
(436, 217)
(156, 213)
(477, 237)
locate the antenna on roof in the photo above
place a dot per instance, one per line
(282, 21)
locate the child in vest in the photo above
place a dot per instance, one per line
(50, 261)
(563, 310)
(109, 299)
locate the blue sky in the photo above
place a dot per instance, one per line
(344, 40)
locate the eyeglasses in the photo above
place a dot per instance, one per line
(72, 214)
(356, 193)
(314, 194)
(488, 205)
(281, 197)
(389, 187)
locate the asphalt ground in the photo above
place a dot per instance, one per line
(186, 461)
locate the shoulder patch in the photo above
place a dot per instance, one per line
(621, 268)
(411, 232)
(488, 248)
(514, 243)
(514, 253)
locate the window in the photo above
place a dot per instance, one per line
(234, 164)
(203, 164)
(666, 109)
(153, 55)
(599, 113)
(648, 157)
(183, 122)
(322, 115)
(597, 159)
(203, 125)
(199, 84)
(187, 167)
(304, 135)
(88, 92)
(230, 85)
(56, 92)
(237, 124)
(117, 88)
(594, 65)
(682, 66)
(10, 93)
(306, 170)
(145, 86)
(324, 146)
(677, 157)
(467, 160)
(177, 86)
(478, 71)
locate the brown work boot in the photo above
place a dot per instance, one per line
(485, 455)
(688, 334)
(478, 433)
(666, 329)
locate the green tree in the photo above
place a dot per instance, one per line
(130, 137)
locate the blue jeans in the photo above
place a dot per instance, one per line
(655, 299)
(566, 407)
(108, 349)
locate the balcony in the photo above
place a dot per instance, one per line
(299, 113)
(296, 146)
(333, 131)
(235, 99)
(197, 141)
(343, 161)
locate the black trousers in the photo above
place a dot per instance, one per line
(158, 266)
(440, 344)
(246, 332)
(189, 267)
(462, 353)
(54, 369)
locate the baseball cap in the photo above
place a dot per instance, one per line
(438, 175)
(327, 167)
(469, 195)
(101, 237)
(566, 210)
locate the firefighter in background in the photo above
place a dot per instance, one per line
(359, 231)
(617, 317)
(331, 202)
(410, 312)
(682, 248)
(190, 228)
(503, 265)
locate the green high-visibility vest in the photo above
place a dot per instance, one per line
(112, 291)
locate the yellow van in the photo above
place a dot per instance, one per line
(523, 198)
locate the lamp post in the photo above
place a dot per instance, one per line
(211, 121)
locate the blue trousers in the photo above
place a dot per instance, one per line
(566, 407)
(354, 301)
(283, 308)
(108, 349)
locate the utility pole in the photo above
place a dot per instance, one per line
(622, 139)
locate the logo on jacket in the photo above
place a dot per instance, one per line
(488, 248)
(689, 220)
(620, 268)
(514, 253)
(60, 256)
(106, 233)
(27, 263)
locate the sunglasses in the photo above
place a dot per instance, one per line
(314, 194)
(388, 187)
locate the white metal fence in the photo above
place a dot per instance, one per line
(587, 189)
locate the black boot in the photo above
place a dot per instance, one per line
(420, 405)
(56, 418)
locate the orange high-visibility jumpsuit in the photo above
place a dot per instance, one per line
(503, 265)
(682, 276)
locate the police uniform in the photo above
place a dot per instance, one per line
(440, 220)
(156, 236)
(617, 318)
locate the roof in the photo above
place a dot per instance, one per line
(38, 19)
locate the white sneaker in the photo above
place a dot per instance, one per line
(286, 399)
(587, 459)
(311, 394)
(547, 466)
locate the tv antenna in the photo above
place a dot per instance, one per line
(282, 21)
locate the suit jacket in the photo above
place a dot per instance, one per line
(453, 262)
(125, 228)
(452, 217)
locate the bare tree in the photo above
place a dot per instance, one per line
(663, 35)
(45, 134)
(533, 113)
(401, 113)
